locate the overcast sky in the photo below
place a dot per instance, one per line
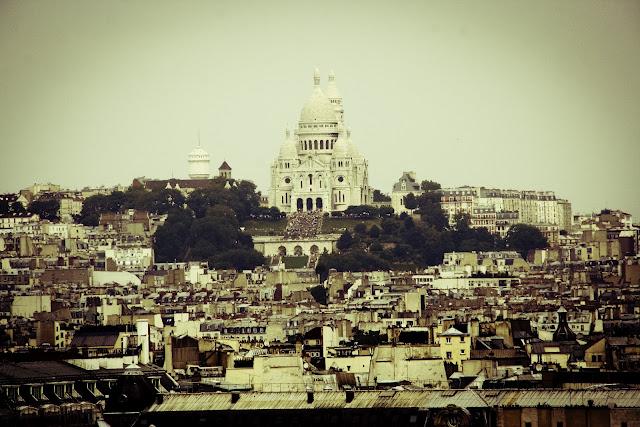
(526, 95)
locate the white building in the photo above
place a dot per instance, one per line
(198, 163)
(485, 205)
(406, 184)
(11, 220)
(130, 258)
(319, 167)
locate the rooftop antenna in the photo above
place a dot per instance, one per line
(198, 138)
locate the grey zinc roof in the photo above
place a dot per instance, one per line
(412, 185)
(452, 332)
(26, 371)
(182, 402)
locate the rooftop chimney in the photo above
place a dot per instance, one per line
(142, 327)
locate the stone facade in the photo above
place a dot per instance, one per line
(319, 167)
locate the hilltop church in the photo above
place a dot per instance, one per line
(319, 168)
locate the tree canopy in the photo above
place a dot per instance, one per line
(428, 185)
(400, 242)
(208, 228)
(45, 208)
(379, 196)
(523, 238)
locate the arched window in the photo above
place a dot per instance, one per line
(315, 144)
(310, 179)
(321, 144)
(305, 145)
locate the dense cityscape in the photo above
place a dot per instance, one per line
(321, 300)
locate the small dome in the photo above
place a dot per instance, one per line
(353, 150)
(288, 148)
(318, 108)
(341, 147)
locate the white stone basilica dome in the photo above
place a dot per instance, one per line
(318, 109)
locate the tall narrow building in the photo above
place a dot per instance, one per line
(319, 166)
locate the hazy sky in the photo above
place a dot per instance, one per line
(513, 94)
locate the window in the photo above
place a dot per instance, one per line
(527, 424)
(449, 355)
(461, 339)
(462, 351)
(448, 339)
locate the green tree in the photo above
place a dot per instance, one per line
(431, 212)
(345, 241)
(45, 208)
(428, 185)
(410, 201)
(379, 196)
(389, 226)
(375, 247)
(95, 205)
(523, 238)
(159, 202)
(170, 240)
(360, 228)
(7, 207)
(239, 259)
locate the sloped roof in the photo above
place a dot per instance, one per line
(452, 332)
(411, 183)
(26, 371)
(95, 339)
(189, 402)
(224, 166)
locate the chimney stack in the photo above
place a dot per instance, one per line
(142, 326)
